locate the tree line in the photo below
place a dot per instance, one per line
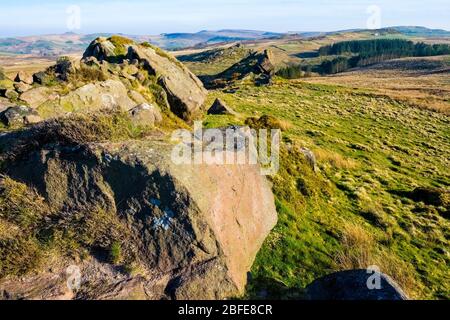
(361, 53)
(384, 46)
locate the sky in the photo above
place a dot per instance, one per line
(32, 17)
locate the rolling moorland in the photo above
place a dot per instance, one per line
(375, 191)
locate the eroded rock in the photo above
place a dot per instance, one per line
(199, 227)
(184, 90)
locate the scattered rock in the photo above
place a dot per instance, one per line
(19, 115)
(311, 158)
(24, 77)
(5, 104)
(219, 107)
(352, 285)
(184, 90)
(41, 78)
(146, 114)
(258, 66)
(11, 94)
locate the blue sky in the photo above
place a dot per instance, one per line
(29, 17)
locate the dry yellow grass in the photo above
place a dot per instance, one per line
(426, 89)
(361, 251)
(334, 159)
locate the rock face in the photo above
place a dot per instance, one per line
(146, 114)
(198, 228)
(109, 94)
(184, 90)
(258, 66)
(219, 107)
(352, 285)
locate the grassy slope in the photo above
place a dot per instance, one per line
(368, 147)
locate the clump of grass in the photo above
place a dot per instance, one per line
(74, 130)
(360, 251)
(27, 241)
(20, 205)
(120, 43)
(357, 248)
(20, 256)
(336, 160)
(115, 253)
(267, 122)
(21, 214)
(87, 74)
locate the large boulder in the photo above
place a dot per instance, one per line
(184, 90)
(197, 228)
(109, 94)
(353, 285)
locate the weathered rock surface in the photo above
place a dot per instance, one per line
(5, 104)
(22, 87)
(19, 115)
(36, 96)
(197, 228)
(184, 90)
(110, 94)
(24, 77)
(9, 94)
(352, 285)
(146, 114)
(220, 107)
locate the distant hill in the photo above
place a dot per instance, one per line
(415, 31)
(67, 43)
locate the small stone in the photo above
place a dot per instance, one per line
(219, 107)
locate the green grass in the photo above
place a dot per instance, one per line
(369, 150)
